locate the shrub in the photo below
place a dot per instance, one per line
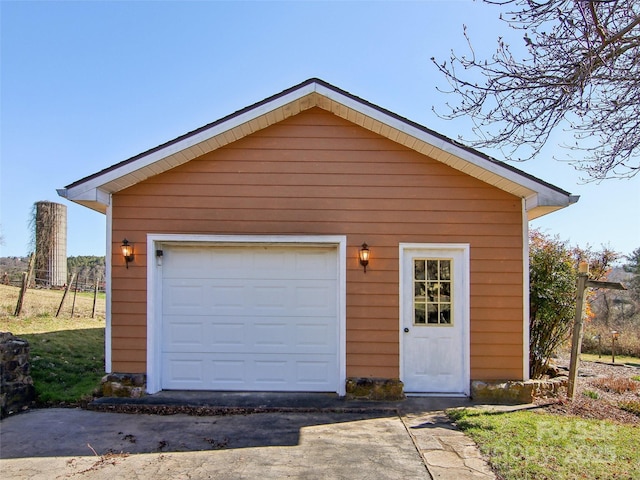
(616, 384)
(552, 280)
(591, 394)
(552, 293)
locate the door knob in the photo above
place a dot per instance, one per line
(406, 330)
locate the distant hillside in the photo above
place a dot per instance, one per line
(13, 265)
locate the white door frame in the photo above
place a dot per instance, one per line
(154, 288)
(464, 250)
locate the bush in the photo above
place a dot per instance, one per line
(552, 293)
(552, 280)
(616, 384)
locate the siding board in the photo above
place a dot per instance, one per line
(315, 173)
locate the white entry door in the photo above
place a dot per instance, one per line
(434, 324)
(250, 318)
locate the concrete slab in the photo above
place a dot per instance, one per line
(242, 435)
(60, 443)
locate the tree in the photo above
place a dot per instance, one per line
(553, 269)
(582, 67)
(633, 267)
(88, 269)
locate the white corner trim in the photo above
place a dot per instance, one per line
(107, 277)
(525, 292)
(154, 289)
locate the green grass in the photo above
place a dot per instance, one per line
(592, 357)
(631, 406)
(67, 365)
(67, 354)
(530, 445)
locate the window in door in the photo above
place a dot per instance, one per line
(432, 301)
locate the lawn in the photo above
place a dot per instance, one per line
(592, 357)
(67, 354)
(533, 445)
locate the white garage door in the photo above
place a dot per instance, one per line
(249, 318)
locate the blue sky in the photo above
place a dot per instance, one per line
(87, 84)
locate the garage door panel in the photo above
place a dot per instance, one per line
(261, 373)
(184, 297)
(225, 334)
(185, 334)
(228, 373)
(315, 336)
(270, 334)
(228, 295)
(313, 371)
(217, 297)
(250, 318)
(268, 298)
(249, 262)
(246, 335)
(183, 371)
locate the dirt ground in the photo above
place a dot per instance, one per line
(600, 389)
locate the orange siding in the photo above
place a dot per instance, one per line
(319, 174)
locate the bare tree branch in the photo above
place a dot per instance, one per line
(583, 70)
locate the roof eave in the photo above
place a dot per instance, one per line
(95, 199)
(537, 205)
(94, 191)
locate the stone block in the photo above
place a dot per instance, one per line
(380, 389)
(126, 385)
(515, 392)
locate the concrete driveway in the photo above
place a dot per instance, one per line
(73, 443)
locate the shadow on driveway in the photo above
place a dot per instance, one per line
(71, 432)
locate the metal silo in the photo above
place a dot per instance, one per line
(51, 244)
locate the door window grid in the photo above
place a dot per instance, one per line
(432, 302)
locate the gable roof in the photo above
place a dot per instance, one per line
(95, 190)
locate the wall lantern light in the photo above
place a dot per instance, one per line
(363, 255)
(127, 251)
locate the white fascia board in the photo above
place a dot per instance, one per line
(95, 199)
(549, 198)
(89, 191)
(186, 143)
(548, 195)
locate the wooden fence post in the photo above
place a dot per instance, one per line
(26, 279)
(32, 264)
(576, 337)
(23, 290)
(64, 295)
(75, 292)
(95, 296)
